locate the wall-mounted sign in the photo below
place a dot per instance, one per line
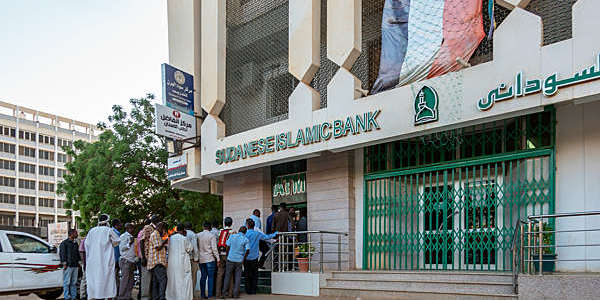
(57, 232)
(549, 87)
(173, 123)
(356, 124)
(177, 167)
(178, 89)
(426, 106)
(289, 188)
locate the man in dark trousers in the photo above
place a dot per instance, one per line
(69, 258)
(281, 223)
(251, 262)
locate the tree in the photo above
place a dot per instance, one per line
(124, 175)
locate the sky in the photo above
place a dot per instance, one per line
(77, 58)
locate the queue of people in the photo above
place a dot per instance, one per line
(168, 263)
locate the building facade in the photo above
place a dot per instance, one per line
(32, 163)
(430, 175)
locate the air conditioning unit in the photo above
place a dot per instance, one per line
(249, 75)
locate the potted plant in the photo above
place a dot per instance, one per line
(548, 255)
(303, 254)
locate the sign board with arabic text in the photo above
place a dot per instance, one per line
(177, 89)
(173, 124)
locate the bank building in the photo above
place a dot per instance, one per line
(437, 149)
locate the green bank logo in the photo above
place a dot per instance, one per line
(426, 106)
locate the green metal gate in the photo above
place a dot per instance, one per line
(449, 201)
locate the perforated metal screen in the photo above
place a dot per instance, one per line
(259, 84)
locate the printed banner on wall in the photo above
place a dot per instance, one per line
(423, 39)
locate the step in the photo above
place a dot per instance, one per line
(403, 295)
(425, 275)
(479, 287)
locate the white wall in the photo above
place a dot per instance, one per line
(578, 182)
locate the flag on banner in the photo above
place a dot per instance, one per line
(425, 38)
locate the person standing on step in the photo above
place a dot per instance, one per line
(209, 258)
(251, 263)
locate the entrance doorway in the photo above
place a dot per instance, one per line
(454, 198)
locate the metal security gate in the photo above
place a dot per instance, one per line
(455, 205)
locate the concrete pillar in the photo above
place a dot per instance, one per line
(245, 191)
(331, 201)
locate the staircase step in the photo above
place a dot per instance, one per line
(404, 295)
(425, 275)
(423, 286)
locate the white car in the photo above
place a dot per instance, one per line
(29, 265)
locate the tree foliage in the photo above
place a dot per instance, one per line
(124, 174)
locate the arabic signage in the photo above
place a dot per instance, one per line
(174, 124)
(426, 106)
(549, 86)
(177, 167)
(360, 123)
(178, 89)
(289, 189)
(57, 232)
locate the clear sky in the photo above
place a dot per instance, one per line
(76, 58)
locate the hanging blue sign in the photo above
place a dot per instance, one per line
(177, 89)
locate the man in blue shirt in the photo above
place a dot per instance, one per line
(116, 227)
(251, 263)
(238, 247)
(256, 218)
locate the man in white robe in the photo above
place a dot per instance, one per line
(100, 260)
(179, 270)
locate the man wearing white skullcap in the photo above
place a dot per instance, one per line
(100, 260)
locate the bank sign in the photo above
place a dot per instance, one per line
(177, 167)
(177, 89)
(289, 188)
(174, 124)
(351, 125)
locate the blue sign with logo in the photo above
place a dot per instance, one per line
(178, 89)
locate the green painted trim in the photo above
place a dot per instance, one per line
(465, 163)
(365, 225)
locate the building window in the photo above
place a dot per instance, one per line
(46, 171)
(61, 173)
(26, 151)
(43, 222)
(7, 198)
(46, 186)
(64, 143)
(27, 135)
(7, 181)
(60, 203)
(26, 200)
(27, 168)
(7, 164)
(7, 131)
(46, 202)
(27, 221)
(8, 148)
(26, 184)
(8, 220)
(62, 158)
(47, 155)
(45, 139)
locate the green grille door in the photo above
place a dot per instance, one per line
(457, 214)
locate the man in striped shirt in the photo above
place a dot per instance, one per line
(157, 261)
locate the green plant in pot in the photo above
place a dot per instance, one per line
(548, 255)
(303, 255)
